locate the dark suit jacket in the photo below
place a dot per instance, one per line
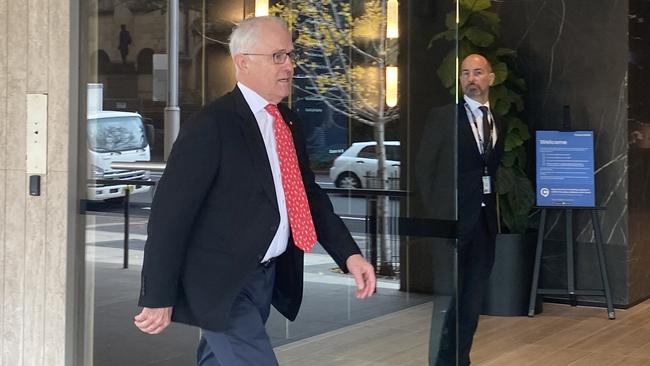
(448, 157)
(470, 173)
(215, 213)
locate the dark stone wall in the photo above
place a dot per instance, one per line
(591, 55)
(575, 53)
(420, 91)
(639, 151)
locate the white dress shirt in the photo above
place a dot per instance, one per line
(265, 123)
(472, 107)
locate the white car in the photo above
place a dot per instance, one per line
(355, 165)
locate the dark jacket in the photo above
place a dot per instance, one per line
(470, 173)
(215, 213)
(449, 170)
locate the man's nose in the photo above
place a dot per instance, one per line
(287, 64)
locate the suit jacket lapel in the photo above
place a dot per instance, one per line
(253, 137)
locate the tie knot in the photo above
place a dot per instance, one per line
(273, 110)
(484, 110)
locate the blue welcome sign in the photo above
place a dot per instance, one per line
(565, 168)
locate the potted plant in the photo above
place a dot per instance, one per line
(477, 31)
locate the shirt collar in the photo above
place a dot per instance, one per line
(474, 105)
(255, 102)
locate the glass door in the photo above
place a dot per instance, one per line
(375, 90)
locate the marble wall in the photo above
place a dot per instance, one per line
(575, 53)
(639, 150)
(35, 57)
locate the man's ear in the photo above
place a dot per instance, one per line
(241, 62)
(492, 77)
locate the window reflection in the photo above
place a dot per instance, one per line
(116, 132)
(340, 95)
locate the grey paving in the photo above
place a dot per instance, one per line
(117, 342)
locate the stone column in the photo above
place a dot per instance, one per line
(35, 231)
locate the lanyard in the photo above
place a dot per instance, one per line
(480, 138)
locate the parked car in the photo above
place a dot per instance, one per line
(357, 166)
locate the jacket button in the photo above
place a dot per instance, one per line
(273, 228)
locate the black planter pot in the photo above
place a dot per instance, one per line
(508, 290)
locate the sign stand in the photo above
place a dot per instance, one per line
(571, 290)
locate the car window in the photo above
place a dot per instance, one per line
(368, 152)
(116, 134)
(392, 152)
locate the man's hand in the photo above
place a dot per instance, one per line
(153, 320)
(364, 275)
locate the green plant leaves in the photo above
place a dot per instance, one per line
(516, 198)
(512, 141)
(502, 52)
(478, 36)
(478, 32)
(519, 128)
(490, 20)
(448, 35)
(518, 82)
(509, 159)
(450, 21)
(465, 49)
(500, 70)
(505, 180)
(447, 71)
(475, 5)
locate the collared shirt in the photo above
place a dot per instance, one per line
(265, 123)
(478, 115)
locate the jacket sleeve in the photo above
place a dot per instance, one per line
(332, 233)
(191, 168)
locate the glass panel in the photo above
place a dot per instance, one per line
(539, 84)
(356, 140)
(387, 162)
(124, 51)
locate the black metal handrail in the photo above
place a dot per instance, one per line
(403, 226)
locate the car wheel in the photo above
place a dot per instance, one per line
(347, 180)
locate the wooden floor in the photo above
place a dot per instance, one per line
(561, 335)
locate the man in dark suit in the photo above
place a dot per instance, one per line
(479, 147)
(124, 42)
(235, 210)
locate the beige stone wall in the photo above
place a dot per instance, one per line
(34, 58)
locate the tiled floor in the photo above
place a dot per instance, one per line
(561, 335)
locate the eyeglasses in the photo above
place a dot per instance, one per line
(278, 57)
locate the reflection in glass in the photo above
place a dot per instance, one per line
(118, 132)
(347, 89)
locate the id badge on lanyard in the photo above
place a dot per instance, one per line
(487, 182)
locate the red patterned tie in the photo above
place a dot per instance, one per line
(302, 227)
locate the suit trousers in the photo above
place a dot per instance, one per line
(475, 258)
(245, 342)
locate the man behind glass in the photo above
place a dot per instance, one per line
(480, 142)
